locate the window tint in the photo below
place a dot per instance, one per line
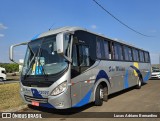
(126, 53)
(106, 50)
(84, 55)
(147, 59)
(74, 56)
(118, 54)
(98, 50)
(141, 56)
(116, 51)
(130, 54)
(102, 48)
(135, 55)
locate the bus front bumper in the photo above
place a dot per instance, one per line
(61, 101)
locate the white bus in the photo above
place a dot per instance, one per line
(71, 66)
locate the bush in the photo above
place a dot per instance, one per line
(10, 67)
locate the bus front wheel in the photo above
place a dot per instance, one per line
(99, 95)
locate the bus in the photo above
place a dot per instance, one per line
(70, 67)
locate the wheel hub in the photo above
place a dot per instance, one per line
(101, 94)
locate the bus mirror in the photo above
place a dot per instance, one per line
(11, 52)
(60, 43)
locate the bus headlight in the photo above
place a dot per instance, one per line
(59, 89)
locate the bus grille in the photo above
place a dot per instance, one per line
(40, 100)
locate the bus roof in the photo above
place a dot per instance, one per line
(72, 29)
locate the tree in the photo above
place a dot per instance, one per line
(10, 67)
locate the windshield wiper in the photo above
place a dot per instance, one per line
(29, 68)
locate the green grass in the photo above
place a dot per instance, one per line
(10, 96)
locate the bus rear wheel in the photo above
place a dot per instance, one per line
(101, 95)
(139, 83)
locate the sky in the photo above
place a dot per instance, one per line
(21, 20)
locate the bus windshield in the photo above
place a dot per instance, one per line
(42, 58)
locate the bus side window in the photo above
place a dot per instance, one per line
(84, 55)
(110, 50)
(118, 54)
(141, 56)
(135, 55)
(126, 53)
(98, 49)
(147, 59)
(115, 47)
(106, 50)
(130, 54)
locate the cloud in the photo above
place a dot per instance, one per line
(1, 35)
(93, 26)
(153, 31)
(2, 26)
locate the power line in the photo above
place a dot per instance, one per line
(120, 20)
(51, 27)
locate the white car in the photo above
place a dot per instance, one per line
(2, 74)
(155, 74)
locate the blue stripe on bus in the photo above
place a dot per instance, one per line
(126, 85)
(35, 37)
(147, 76)
(102, 74)
(36, 94)
(84, 100)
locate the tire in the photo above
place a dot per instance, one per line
(139, 83)
(1, 79)
(31, 106)
(105, 94)
(98, 98)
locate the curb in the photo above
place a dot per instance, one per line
(8, 82)
(1, 83)
(16, 109)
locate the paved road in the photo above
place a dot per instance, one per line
(147, 99)
(9, 81)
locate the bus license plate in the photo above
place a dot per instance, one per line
(35, 103)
